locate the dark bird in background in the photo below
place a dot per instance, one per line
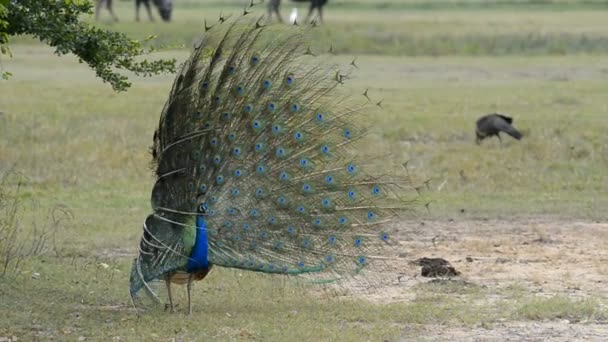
(493, 124)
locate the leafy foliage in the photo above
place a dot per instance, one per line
(57, 23)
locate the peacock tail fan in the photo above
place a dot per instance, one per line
(257, 156)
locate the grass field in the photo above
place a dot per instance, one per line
(531, 214)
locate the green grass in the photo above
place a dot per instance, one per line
(408, 28)
(79, 145)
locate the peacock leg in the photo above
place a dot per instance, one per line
(189, 288)
(168, 282)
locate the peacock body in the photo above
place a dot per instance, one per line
(257, 169)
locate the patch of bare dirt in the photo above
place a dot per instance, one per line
(546, 256)
(543, 256)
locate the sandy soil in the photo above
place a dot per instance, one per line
(545, 256)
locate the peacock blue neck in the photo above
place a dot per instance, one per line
(199, 258)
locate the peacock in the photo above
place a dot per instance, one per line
(257, 166)
(492, 124)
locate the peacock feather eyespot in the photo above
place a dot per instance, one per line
(256, 124)
(202, 167)
(306, 188)
(238, 173)
(214, 142)
(329, 180)
(236, 151)
(282, 201)
(266, 84)
(259, 193)
(231, 70)
(342, 220)
(352, 194)
(260, 169)
(232, 136)
(326, 202)
(213, 199)
(332, 240)
(320, 117)
(276, 129)
(246, 227)
(198, 114)
(301, 264)
(204, 85)
(259, 147)
(272, 220)
(272, 106)
(290, 79)
(263, 234)
(284, 176)
(361, 260)
(232, 211)
(248, 108)
(351, 169)
(371, 215)
(225, 116)
(235, 192)
(298, 136)
(239, 89)
(304, 163)
(329, 259)
(219, 179)
(317, 222)
(203, 188)
(217, 160)
(295, 107)
(384, 237)
(217, 99)
(227, 224)
(196, 155)
(358, 242)
(306, 243)
(301, 209)
(347, 133)
(207, 125)
(325, 149)
(376, 190)
(281, 152)
(254, 213)
(255, 59)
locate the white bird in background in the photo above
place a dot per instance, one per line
(293, 16)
